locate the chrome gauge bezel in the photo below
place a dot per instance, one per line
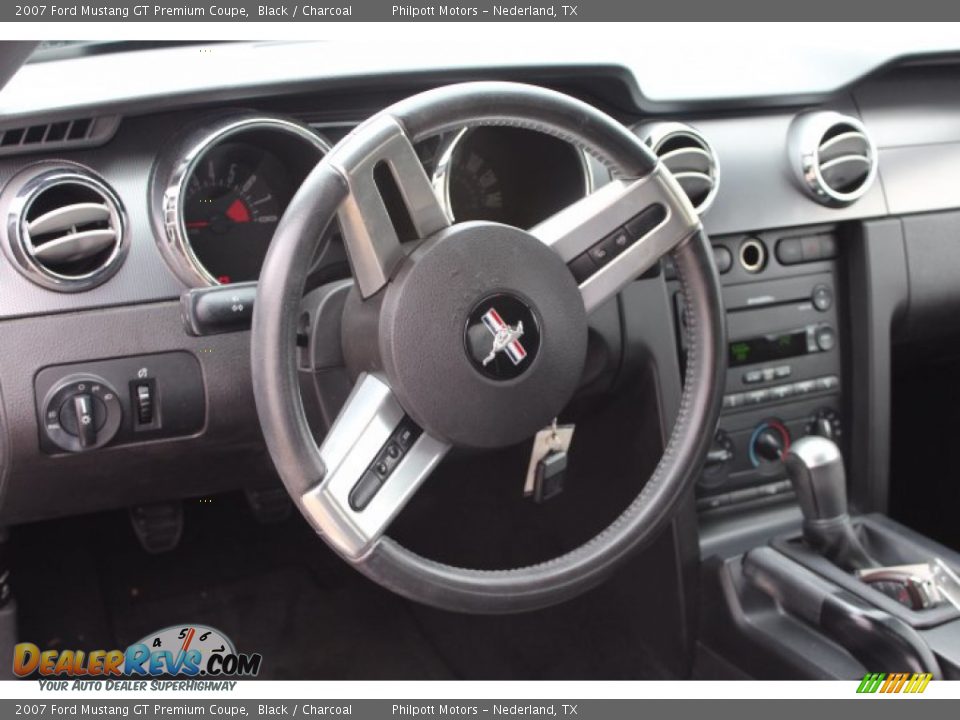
(42, 177)
(175, 243)
(440, 178)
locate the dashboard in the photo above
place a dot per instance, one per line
(121, 213)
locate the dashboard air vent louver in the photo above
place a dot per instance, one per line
(688, 155)
(66, 229)
(833, 156)
(62, 134)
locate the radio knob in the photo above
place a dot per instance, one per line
(826, 338)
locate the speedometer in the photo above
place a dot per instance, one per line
(509, 175)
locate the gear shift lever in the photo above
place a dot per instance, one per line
(815, 467)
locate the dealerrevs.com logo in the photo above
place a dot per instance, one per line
(181, 650)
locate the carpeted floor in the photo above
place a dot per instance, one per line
(277, 589)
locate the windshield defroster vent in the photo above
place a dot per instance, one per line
(58, 135)
(688, 156)
(833, 156)
(66, 230)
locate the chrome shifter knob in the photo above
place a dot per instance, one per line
(815, 467)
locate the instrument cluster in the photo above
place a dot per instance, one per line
(227, 185)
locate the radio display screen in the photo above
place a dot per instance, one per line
(768, 348)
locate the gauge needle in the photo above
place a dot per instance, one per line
(238, 212)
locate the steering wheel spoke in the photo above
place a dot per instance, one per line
(369, 230)
(375, 458)
(617, 233)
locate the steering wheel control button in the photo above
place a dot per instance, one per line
(502, 337)
(586, 264)
(365, 490)
(82, 413)
(390, 455)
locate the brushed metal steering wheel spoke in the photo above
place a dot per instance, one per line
(381, 146)
(617, 233)
(375, 460)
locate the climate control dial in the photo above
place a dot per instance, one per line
(826, 423)
(82, 413)
(769, 443)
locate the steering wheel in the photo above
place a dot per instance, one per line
(474, 336)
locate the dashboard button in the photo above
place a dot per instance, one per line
(753, 376)
(789, 251)
(756, 396)
(822, 298)
(781, 392)
(804, 387)
(733, 401)
(810, 247)
(829, 382)
(782, 371)
(722, 258)
(828, 247)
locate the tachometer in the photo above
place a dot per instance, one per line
(231, 207)
(227, 187)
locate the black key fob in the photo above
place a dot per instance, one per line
(548, 481)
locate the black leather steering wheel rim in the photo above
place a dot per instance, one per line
(276, 383)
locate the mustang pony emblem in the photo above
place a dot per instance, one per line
(505, 338)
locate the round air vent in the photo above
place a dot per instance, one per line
(66, 229)
(687, 155)
(833, 156)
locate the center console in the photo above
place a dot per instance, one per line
(793, 584)
(785, 343)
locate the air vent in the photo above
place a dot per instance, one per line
(833, 156)
(687, 155)
(66, 229)
(62, 134)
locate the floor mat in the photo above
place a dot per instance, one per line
(276, 590)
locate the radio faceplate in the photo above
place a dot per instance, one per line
(784, 378)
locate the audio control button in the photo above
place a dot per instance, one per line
(733, 400)
(822, 298)
(826, 338)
